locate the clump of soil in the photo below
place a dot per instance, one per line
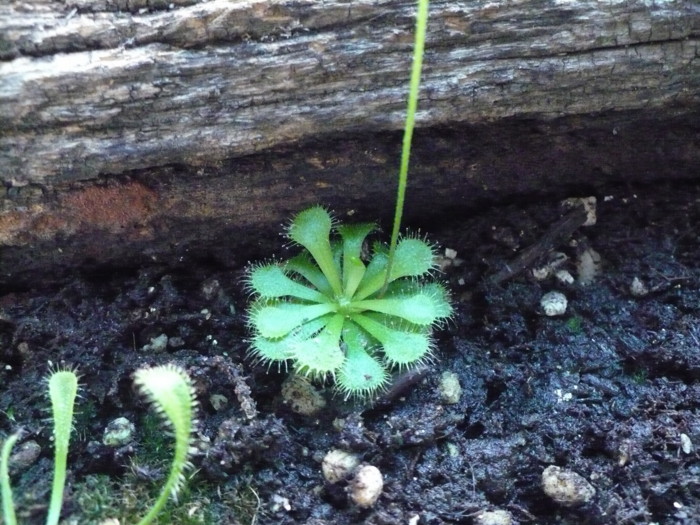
(608, 390)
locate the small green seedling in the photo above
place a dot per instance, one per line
(8, 507)
(332, 315)
(63, 389)
(169, 389)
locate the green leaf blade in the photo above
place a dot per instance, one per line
(321, 355)
(282, 349)
(362, 374)
(63, 389)
(312, 229)
(418, 309)
(8, 507)
(402, 347)
(271, 282)
(275, 320)
(303, 265)
(413, 258)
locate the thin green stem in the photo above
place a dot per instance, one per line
(418, 49)
(171, 485)
(8, 508)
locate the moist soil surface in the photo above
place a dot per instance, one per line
(607, 391)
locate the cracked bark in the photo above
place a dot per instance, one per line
(134, 130)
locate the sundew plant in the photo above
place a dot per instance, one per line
(333, 313)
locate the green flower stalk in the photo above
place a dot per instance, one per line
(326, 310)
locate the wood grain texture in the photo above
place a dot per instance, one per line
(144, 131)
(89, 87)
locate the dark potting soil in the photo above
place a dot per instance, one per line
(609, 390)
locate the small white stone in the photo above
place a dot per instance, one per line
(366, 486)
(588, 266)
(566, 487)
(301, 396)
(553, 304)
(338, 464)
(563, 276)
(450, 389)
(157, 344)
(494, 517)
(589, 206)
(637, 288)
(542, 273)
(119, 432)
(279, 503)
(218, 401)
(686, 444)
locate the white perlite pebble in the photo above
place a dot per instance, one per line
(450, 389)
(564, 277)
(301, 396)
(494, 517)
(686, 444)
(119, 432)
(553, 303)
(157, 344)
(638, 288)
(566, 487)
(338, 465)
(366, 486)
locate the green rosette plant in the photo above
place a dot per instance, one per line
(332, 315)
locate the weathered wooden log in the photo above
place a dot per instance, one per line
(134, 128)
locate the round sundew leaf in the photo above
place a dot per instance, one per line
(405, 349)
(282, 349)
(278, 319)
(374, 276)
(312, 228)
(441, 299)
(353, 236)
(356, 337)
(412, 258)
(271, 350)
(354, 270)
(419, 308)
(303, 265)
(271, 282)
(402, 347)
(436, 292)
(361, 374)
(320, 354)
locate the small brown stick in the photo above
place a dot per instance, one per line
(556, 233)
